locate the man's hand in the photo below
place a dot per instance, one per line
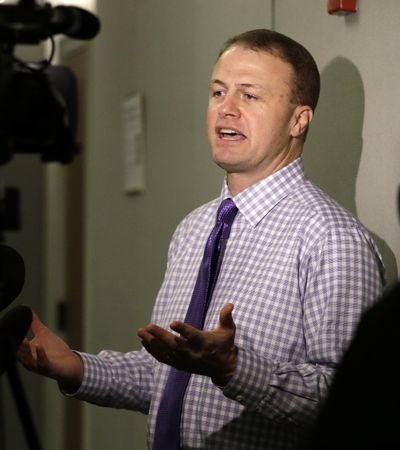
(48, 355)
(211, 353)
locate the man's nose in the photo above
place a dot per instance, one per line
(229, 107)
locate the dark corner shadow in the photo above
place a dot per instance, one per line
(333, 148)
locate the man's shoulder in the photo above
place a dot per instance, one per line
(318, 206)
(198, 218)
(203, 211)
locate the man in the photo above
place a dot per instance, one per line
(296, 276)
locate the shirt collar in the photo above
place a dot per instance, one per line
(259, 199)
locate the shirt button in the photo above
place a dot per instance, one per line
(239, 398)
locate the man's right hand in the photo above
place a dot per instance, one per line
(48, 355)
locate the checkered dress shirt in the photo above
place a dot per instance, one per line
(300, 270)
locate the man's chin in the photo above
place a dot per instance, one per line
(227, 164)
(228, 167)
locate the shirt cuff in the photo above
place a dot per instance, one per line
(94, 382)
(250, 384)
(250, 381)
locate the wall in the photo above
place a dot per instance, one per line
(165, 51)
(353, 150)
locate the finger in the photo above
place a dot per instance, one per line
(149, 341)
(186, 331)
(160, 352)
(24, 344)
(26, 356)
(24, 350)
(144, 334)
(157, 346)
(161, 334)
(225, 317)
(36, 324)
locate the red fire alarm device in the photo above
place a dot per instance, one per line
(342, 6)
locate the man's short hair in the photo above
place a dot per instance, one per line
(306, 84)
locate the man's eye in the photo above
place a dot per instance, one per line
(217, 94)
(250, 97)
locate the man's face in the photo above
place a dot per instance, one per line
(250, 113)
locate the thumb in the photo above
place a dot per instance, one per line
(225, 317)
(36, 324)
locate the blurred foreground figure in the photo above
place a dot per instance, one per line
(362, 409)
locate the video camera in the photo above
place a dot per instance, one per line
(38, 101)
(38, 104)
(37, 115)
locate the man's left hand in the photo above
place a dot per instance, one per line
(211, 353)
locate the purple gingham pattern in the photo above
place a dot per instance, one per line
(300, 271)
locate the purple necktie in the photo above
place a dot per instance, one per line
(167, 430)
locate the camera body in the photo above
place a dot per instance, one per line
(37, 112)
(38, 101)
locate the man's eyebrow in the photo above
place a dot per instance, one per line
(219, 82)
(241, 85)
(250, 85)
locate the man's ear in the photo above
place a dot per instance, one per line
(302, 117)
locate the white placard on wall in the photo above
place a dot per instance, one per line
(133, 144)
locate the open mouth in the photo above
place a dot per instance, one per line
(230, 134)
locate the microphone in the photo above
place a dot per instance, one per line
(14, 326)
(12, 275)
(74, 22)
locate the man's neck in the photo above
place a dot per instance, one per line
(239, 181)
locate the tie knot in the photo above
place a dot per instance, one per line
(226, 212)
